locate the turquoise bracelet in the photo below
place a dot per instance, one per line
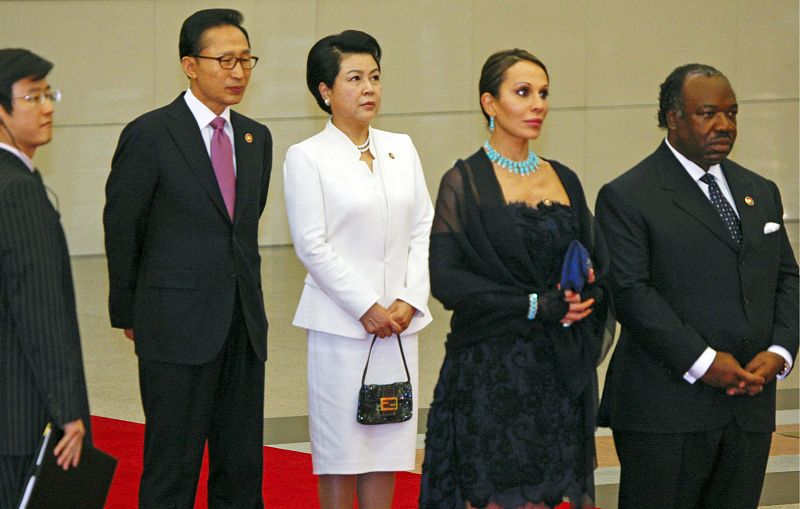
(533, 305)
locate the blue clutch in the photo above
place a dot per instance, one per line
(575, 269)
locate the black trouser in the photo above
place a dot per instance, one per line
(14, 472)
(221, 401)
(722, 468)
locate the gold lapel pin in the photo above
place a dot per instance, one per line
(248, 138)
(749, 200)
(391, 156)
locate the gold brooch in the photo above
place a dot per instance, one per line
(248, 138)
(749, 200)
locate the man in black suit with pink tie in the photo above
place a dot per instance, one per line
(705, 285)
(187, 187)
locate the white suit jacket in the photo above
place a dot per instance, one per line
(357, 254)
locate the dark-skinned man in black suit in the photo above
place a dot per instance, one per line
(705, 285)
(187, 187)
(41, 369)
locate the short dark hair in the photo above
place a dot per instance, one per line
(17, 64)
(196, 25)
(325, 58)
(494, 70)
(671, 96)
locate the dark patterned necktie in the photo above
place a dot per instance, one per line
(724, 208)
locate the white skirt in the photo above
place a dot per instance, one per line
(339, 444)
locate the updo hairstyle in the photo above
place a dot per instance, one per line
(325, 58)
(494, 70)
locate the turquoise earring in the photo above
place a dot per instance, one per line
(491, 124)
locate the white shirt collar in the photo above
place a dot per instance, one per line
(347, 142)
(24, 158)
(202, 114)
(693, 169)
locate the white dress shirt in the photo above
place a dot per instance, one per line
(701, 365)
(203, 115)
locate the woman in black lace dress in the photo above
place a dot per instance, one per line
(513, 417)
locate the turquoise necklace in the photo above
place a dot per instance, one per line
(523, 168)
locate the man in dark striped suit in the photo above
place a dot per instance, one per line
(41, 369)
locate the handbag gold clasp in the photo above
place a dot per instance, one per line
(389, 404)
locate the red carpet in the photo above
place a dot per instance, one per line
(288, 481)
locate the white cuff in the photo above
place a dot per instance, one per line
(700, 366)
(785, 354)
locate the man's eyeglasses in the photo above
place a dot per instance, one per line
(53, 95)
(229, 62)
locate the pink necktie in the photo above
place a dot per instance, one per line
(222, 161)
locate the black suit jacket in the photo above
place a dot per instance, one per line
(175, 258)
(41, 369)
(680, 284)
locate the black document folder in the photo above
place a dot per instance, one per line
(85, 486)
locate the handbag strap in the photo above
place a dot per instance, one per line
(402, 354)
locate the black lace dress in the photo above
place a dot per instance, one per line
(502, 427)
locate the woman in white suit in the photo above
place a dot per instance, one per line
(360, 216)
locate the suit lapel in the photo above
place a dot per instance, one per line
(742, 190)
(246, 174)
(381, 148)
(688, 196)
(186, 134)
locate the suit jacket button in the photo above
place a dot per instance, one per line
(232, 275)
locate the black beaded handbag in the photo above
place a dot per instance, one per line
(385, 403)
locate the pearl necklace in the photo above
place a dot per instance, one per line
(364, 146)
(523, 168)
